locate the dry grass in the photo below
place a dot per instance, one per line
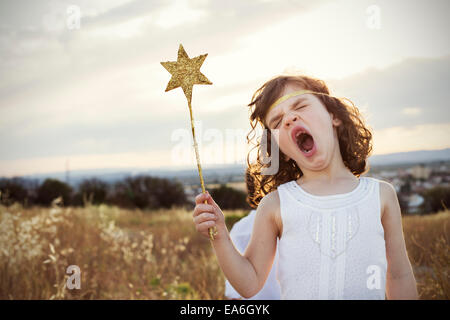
(427, 241)
(126, 254)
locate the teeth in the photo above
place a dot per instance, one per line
(297, 135)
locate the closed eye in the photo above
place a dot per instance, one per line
(297, 108)
(300, 107)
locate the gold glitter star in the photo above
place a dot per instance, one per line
(185, 72)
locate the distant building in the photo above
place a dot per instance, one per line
(402, 172)
(420, 172)
(437, 179)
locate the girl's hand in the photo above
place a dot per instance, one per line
(208, 215)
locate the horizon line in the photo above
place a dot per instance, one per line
(193, 166)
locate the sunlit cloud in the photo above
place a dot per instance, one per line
(82, 162)
(411, 111)
(178, 13)
(127, 29)
(420, 137)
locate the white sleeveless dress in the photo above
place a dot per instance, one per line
(332, 247)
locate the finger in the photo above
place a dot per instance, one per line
(204, 226)
(204, 217)
(200, 198)
(202, 207)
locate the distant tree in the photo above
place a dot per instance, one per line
(148, 192)
(51, 189)
(403, 202)
(436, 199)
(406, 188)
(170, 193)
(13, 190)
(91, 190)
(230, 198)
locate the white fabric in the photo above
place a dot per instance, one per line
(240, 235)
(332, 247)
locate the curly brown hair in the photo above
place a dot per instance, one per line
(355, 139)
(250, 184)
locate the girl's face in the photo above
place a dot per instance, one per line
(304, 129)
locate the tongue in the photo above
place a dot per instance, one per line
(307, 143)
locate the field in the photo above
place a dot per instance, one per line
(133, 254)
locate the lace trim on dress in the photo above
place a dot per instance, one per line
(330, 202)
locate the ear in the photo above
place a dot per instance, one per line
(335, 120)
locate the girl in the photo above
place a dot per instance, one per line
(340, 235)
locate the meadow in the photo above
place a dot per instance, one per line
(155, 254)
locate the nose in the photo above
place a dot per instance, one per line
(291, 119)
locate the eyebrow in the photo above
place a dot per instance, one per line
(293, 105)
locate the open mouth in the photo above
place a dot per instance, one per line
(304, 140)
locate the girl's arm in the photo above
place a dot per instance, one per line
(400, 281)
(248, 272)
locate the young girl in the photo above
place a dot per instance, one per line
(340, 234)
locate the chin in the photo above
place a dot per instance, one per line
(318, 163)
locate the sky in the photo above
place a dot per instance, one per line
(82, 87)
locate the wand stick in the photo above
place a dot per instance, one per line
(185, 73)
(211, 231)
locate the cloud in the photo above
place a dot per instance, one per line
(128, 32)
(82, 161)
(421, 137)
(412, 111)
(412, 92)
